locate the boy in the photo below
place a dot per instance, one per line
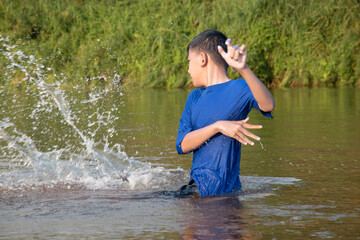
(214, 122)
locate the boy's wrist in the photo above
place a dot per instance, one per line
(244, 69)
(217, 127)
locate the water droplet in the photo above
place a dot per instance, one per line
(262, 146)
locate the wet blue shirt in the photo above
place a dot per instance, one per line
(216, 164)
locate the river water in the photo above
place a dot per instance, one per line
(102, 164)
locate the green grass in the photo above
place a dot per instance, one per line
(290, 43)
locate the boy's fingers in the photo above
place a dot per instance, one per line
(248, 125)
(228, 42)
(221, 51)
(244, 139)
(252, 126)
(253, 136)
(240, 139)
(249, 134)
(243, 51)
(231, 51)
(245, 120)
(237, 53)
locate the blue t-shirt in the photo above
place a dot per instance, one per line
(216, 164)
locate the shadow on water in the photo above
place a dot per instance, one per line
(215, 218)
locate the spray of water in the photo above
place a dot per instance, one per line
(96, 164)
(262, 146)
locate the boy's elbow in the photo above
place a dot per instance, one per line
(184, 150)
(268, 107)
(180, 149)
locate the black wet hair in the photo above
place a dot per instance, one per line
(208, 42)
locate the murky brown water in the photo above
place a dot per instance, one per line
(95, 165)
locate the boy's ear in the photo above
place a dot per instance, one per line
(204, 59)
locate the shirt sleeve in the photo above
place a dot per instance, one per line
(250, 99)
(185, 125)
(256, 106)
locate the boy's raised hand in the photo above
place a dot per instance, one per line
(235, 55)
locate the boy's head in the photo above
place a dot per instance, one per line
(208, 42)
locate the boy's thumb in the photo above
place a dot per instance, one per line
(221, 50)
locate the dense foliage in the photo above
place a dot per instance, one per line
(290, 42)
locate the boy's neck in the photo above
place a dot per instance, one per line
(215, 75)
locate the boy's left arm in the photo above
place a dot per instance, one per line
(236, 58)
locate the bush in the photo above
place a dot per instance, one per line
(290, 43)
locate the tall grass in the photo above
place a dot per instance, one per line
(290, 43)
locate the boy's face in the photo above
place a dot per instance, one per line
(195, 68)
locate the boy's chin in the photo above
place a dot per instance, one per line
(197, 85)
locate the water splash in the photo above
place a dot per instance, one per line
(262, 146)
(89, 158)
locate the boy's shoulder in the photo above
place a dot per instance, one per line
(239, 81)
(240, 84)
(193, 96)
(233, 84)
(196, 92)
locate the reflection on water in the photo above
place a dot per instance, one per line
(101, 163)
(216, 218)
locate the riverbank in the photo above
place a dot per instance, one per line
(143, 43)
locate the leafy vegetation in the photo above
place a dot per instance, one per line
(290, 42)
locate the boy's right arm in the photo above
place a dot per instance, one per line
(234, 129)
(236, 58)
